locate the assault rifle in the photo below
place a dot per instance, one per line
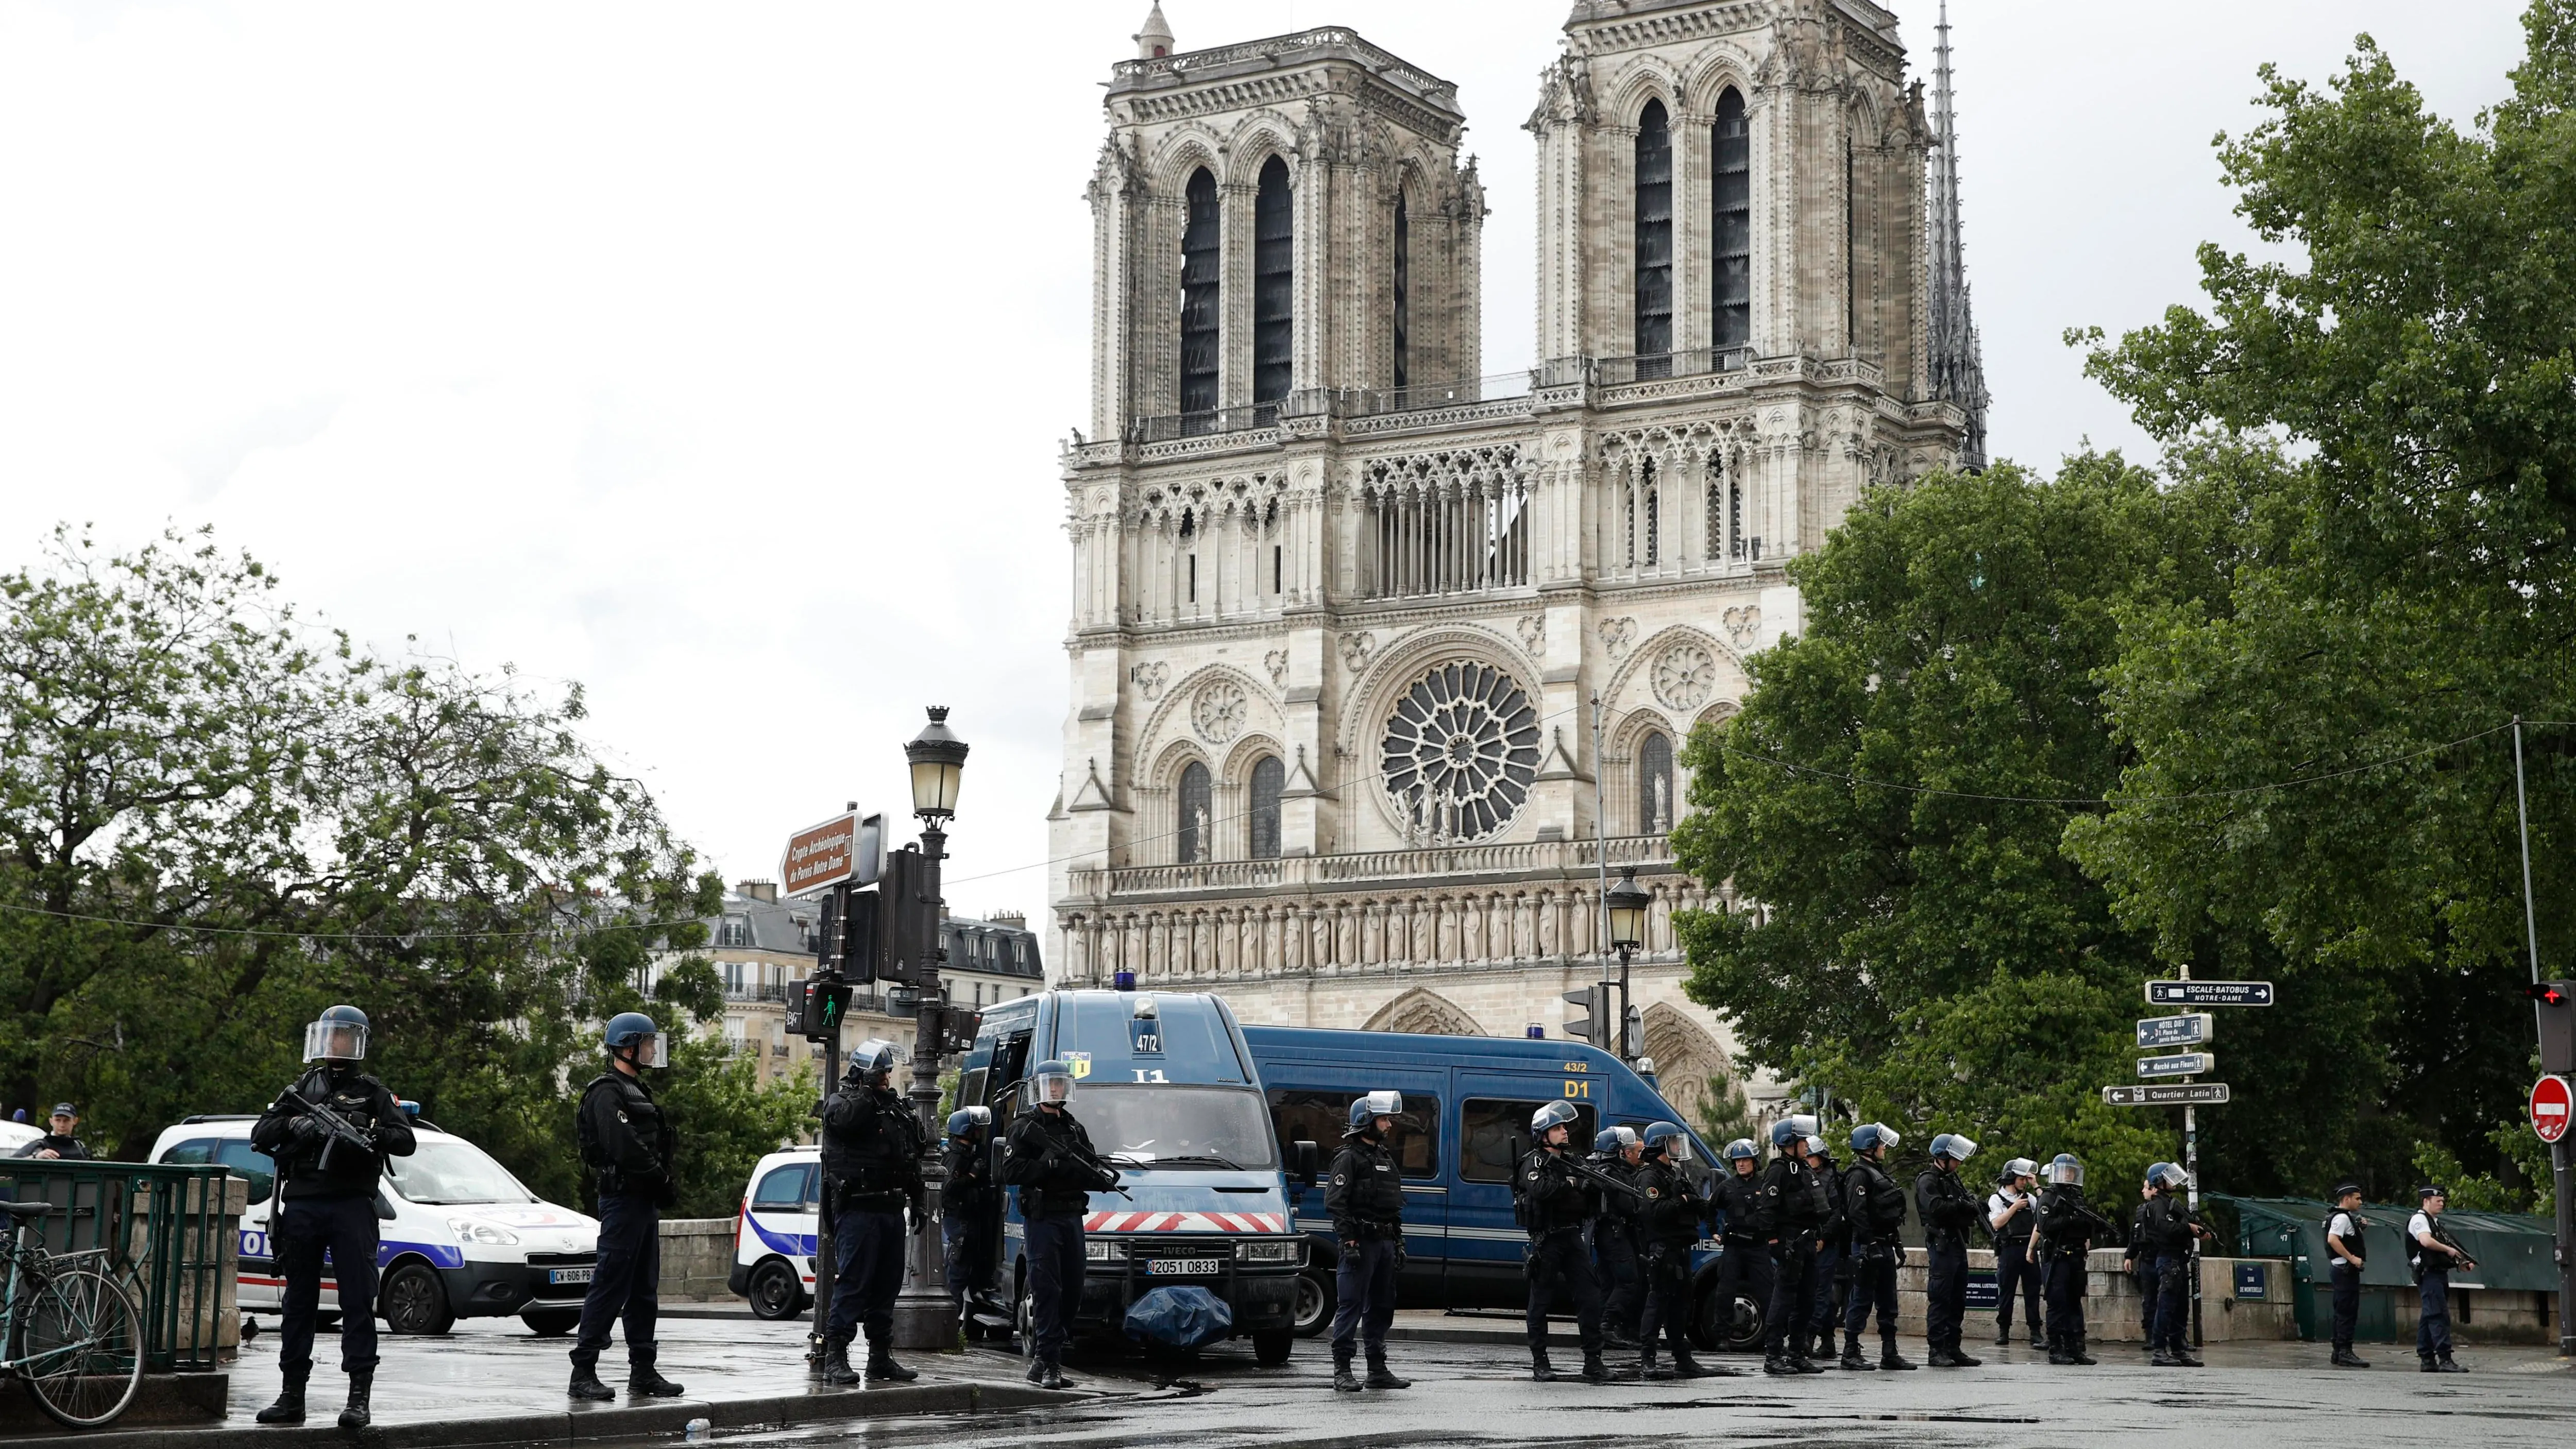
(1058, 1152)
(336, 1129)
(2441, 1234)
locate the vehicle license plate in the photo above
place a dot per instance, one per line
(1184, 1267)
(568, 1275)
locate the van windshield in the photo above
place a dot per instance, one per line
(1175, 1126)
(445, 1170)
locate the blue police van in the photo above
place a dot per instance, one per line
(1467, 1106)
(1166, 1087)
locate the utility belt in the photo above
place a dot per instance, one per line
(1946, 1238)
(1375, 1229)
(618, 1182)
(867, 1200)
(1049, 1202)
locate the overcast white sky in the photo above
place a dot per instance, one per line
(717, 356)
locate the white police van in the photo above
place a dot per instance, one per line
(773, 1234)
(459, 1236)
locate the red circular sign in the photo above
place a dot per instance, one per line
(2552, 1105)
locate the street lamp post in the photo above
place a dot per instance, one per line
(925, 1317)
(1626, 905)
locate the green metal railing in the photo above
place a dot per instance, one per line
(168, 1233)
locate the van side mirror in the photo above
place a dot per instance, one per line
(1308, 1162)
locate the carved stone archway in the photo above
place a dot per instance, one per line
(1424, 1012)
(1686, 1056)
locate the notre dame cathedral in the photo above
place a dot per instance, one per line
(1343, 607)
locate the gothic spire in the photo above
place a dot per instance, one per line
(1958, 372)
(1155, 40)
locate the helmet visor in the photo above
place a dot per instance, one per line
(1053, 1089)
(1815, 1146)
(653, 1049)
(1554, 1114)
(1385, 1104)
(338, 1041)
(873, 1056)
(2066, 1172)
(1962, 1148)
(1677, 1148)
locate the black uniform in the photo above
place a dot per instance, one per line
(872, 1153)
(1615, 1248)
(329, 1209)
(2141, 1264)
(1744, 1268)
(1876, 1207)
(69, 1149)
(1365, 1200)
(1833, 1245)
(629, 1145)
(1947, 1210)
(2347, 1276)
(2016, 1270)
(1667, 1224)
(2066, 1231)
(1554, 1206)
(2167, 1245)
(967, 1216)
(1051, 1162)
(1792, 1211)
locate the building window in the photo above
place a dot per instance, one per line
(1267, 778)
(1655, 785)
(733, 978)
(1194, 823)
(1274, 285)
(1654, 233)
(1654, 510)
(1403, 263)
(1732, 198)
(1199, 296)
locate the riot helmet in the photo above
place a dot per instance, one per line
(1954, 1147)
(2155, 1171)
(1611, 1141)
(1871, 1135)
(2019, 1168)
(633, 1033)
(1669, 1139)
(2065, 1171)
(1788, 1132)
(1559, 1113)
(340, 1035)
(1741, 1154)
(2170, 1178)
(969, 1119)
(1051, 1084)
(1366, 1110)
(1815, 1145)
(872, 1063)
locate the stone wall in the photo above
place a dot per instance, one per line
(2111, 1304)
(697, 1254)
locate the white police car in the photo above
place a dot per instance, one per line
(459, 1237)
(773, 1235)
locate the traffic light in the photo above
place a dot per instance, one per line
(816, 1007)
(906, 934)
(957, 1028)
(856, 937)
(1594, 1025)
(2554, 1003)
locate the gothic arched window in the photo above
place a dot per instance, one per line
(1654, 232)
(1403, 263)
(1267, 779)
(1654, 785)
(1274, 285)
(1195, 822)
(1199, 296)
(1732, 200)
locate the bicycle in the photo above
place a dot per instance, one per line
(67, 1330)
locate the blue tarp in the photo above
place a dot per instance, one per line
(1180, 1317)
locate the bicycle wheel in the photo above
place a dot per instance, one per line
(80, 1348)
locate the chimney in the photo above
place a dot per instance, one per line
(1013, 919)
(758, 890)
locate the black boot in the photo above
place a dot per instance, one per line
(1961, 1356)
(1037, 1368)
(1054, 1376)
(1344, 1380)
(2444, 1365)
(2003, 1335)
(289, 1408)
(1888, 1357)
(1382, 1377)
(647, 1382)
(1942, 1357)
(836, 1364)
(362, 1382)
(2162, 1359)
(1777, 1363)
(1650, 1370)
(1540, 1368)
(2180, 1352)
(881, 1365)
(1851, 1358)
(2075, 1353)
(1597, 1372)
(586, 1384)
(2344, 1357)
(1687, 1367)
(2056, 1350)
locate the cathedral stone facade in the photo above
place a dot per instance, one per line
(1345, 612)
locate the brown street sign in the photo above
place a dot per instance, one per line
(849, 847)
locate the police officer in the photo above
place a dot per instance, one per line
(872, 1155)
(1615, 1246)
(1876, 1207)
(1555, 1206)
(2432, 1258)
(1365, 1200)
(967, 1200)
(2012, 1211)
(1668, 1223)
(1943, 1202)
(2067, 1229)
(58, 1143)
(2139, 1261)
(630, 1146)
(326, 1201)
(2169, 1234)
(1792, 1216)
(1051, 1162)
(1744, 1262)
(1832, 1273)
(2349, 1254)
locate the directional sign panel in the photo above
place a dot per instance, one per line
(2166, 1094)
(2179, 1064)
(2197, 1029)
(2209, 993)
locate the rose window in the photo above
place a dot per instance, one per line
(1460, 751)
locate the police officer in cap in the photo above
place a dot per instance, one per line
(967, 1203)
(1948, 1209)
(1554, 1207)
(58, 1143)
(1668, 1223)
(1876, 1206)
(2431, 1256)
(2067, 1230)
(2012, 1212)
(1615, 1153)
(630, 1146)
(872, 1155)
(1744, 1261)
(1365, 1200)
(1793, 1210)
(326, 1201)
(2345, 1228)
(1051, 1162)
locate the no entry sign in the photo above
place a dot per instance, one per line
(2550, 1104)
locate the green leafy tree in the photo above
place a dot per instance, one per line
(2406, 584)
